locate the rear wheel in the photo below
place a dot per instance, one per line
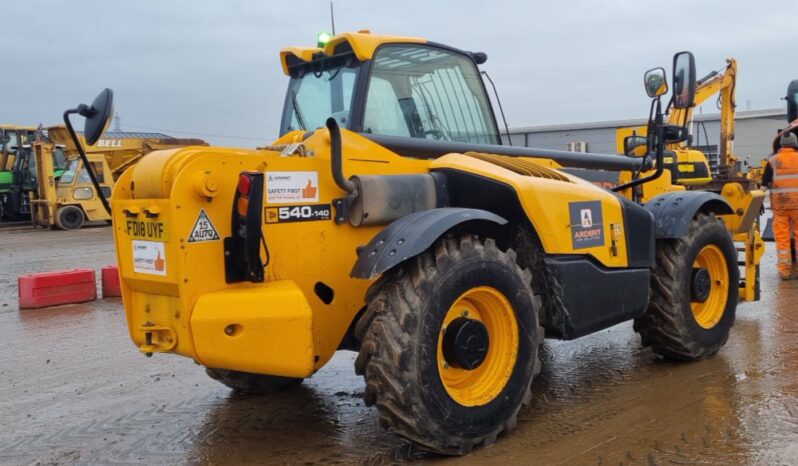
(450, 345)
(246, 382)
(694, 293)
(69, 217)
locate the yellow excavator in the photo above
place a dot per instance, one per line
(691, 168)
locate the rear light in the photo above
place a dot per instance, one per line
(244, 183)
(243, 248)
(242, 205)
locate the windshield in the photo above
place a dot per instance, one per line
(317, 95)
(59, 159)
(69, 172)
(429, 93)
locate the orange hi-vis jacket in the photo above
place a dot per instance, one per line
(784, 192)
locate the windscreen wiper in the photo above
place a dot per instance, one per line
(299, 118)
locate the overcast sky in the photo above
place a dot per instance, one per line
(211, 69)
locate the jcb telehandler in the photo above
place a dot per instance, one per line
(388, 219)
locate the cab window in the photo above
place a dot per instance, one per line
(84, 177)
(317, 95)
(429, 93)
(69, 172)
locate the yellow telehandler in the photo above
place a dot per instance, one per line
(388, 219)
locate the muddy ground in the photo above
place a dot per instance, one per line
(75, 390)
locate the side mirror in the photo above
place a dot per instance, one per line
(98, 116)
(684, 81)
(635, 146)
(655, 82)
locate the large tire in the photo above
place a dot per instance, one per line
(422, 392)
(246, 382)
(69, 217)
(677, 323)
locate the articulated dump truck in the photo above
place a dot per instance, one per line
(388, 219)
(67, 198)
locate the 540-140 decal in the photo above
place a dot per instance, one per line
(298, 213)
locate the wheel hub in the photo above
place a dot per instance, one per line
(465, 343)
(700, 285)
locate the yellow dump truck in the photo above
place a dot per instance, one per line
(120, 148)
(67, 198)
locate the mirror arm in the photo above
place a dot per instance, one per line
(83, 110)
(660, 150)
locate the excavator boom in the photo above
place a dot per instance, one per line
(715, 83)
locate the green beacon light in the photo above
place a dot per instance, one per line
(322, 38)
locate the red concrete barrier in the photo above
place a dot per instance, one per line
(53, 288)
(110, 280)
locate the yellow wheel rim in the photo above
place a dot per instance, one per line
(709, 312)
(484, 383)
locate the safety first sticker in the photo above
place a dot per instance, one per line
(149, 257)
(203, 229)
(587, 224)
(292, 187)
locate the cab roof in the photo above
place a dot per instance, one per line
(362, 43)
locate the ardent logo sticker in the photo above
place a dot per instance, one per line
(587, 218)
(587, 224)
(292, 187)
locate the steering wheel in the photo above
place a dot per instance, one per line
(436, 133)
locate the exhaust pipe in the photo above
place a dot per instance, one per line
(337, 158)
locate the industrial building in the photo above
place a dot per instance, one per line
(754, 132)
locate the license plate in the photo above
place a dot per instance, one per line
(152, 230)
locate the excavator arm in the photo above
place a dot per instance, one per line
(715, 83)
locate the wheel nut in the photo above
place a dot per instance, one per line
(445, 365)
(465, 312)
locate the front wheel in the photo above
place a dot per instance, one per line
(451, 345)
(694, 293)
(69, 217)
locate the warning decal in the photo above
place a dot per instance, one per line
(149, 257)
(203, 229)
(587, 224)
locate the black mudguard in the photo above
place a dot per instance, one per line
(411, 235)
(673, 212)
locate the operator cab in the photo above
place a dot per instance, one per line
(76, 182)
(401, 89)
(792, 114)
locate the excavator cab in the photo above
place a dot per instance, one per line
(792, 101)
(792, 114)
